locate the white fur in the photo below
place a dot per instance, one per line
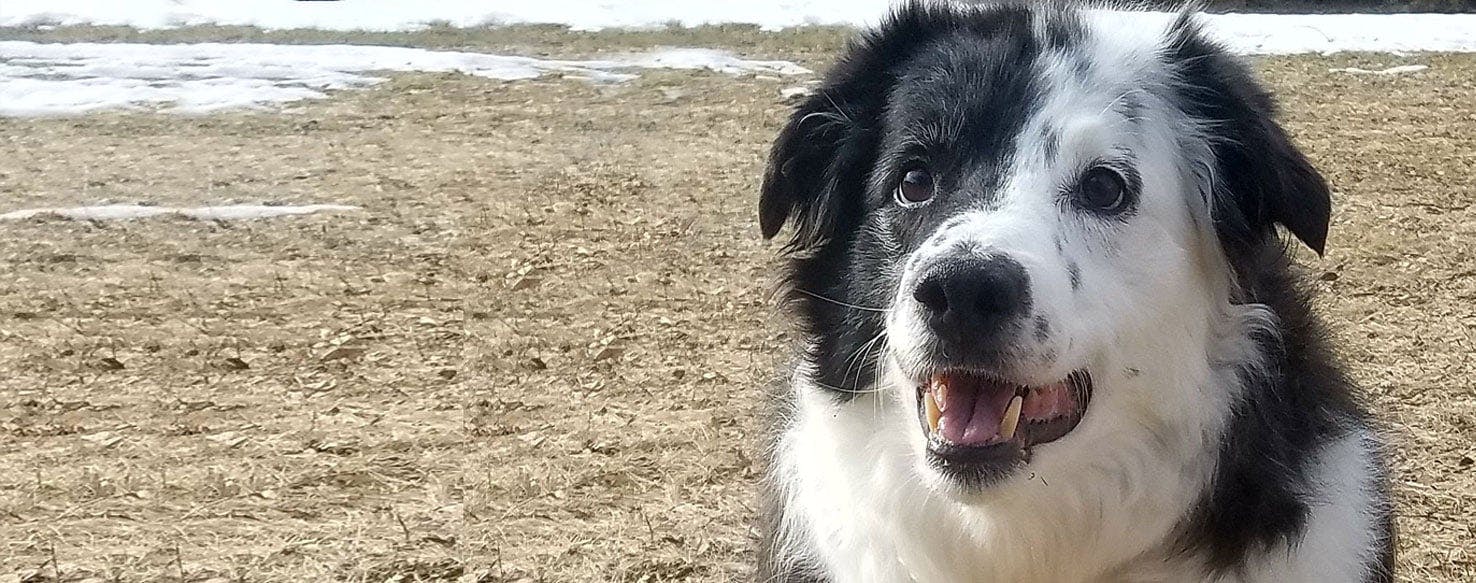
(1339, 543)
(1155, 328)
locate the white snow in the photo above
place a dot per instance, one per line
(63, 79)
(1399, 70)
(230, 212)
(1283, 34)
(383, 15)
(1249, 33)
(795, 93)
(56, 79)
(1288, 34)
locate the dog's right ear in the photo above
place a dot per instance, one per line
(816, 162)
(820, 163)
(783, 187)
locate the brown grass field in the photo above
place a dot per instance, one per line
(536, 354)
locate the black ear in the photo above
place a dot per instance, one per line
(815, 162)
(1262, 179)
(821, 161)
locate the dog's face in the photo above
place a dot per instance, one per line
(1005, 217)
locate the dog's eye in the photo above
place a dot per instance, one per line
(916, 187)
(1102, 189)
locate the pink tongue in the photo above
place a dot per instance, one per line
(971, 416)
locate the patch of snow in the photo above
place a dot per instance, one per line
(63, 79)
(795, 93)
(1390, 71)
(1284, 34)
(58, 79)
(387, 15)
(230, 212)
(710, 59)
(1249, 33)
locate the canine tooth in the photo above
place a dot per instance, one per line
(933, 412)
(1011, 418)
(940, 390)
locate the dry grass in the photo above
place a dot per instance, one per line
(551, 320)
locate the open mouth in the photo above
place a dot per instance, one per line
(979, 420)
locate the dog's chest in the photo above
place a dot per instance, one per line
(867, 517)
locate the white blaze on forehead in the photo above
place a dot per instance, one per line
(1103, 70)
(1075, 124)
(1118, 33)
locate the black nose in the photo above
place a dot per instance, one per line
(971, 304)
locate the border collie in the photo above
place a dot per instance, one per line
(1050, 329)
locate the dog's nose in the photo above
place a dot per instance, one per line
(969, 303)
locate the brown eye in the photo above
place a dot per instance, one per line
(1102, 190)
(916, 187)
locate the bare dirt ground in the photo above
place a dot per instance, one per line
(536, 354)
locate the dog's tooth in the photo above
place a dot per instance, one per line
(934, 413)
(940, 390)
(1011, 418)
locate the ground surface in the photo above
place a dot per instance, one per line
(536, 353)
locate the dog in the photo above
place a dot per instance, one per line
(1049, 328)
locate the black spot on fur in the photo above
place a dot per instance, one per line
(1131, 106)
(1082, 69)
(1052, 145)
(1062, 30)
(1073, 271)
(1042, 329)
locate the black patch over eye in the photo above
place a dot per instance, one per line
(916, 187)
(1103, 190)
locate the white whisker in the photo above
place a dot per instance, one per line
(841, 303)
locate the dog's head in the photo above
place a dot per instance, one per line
(1026, 222)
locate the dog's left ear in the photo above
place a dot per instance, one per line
(1262, 179)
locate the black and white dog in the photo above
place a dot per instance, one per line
(1051, 331)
